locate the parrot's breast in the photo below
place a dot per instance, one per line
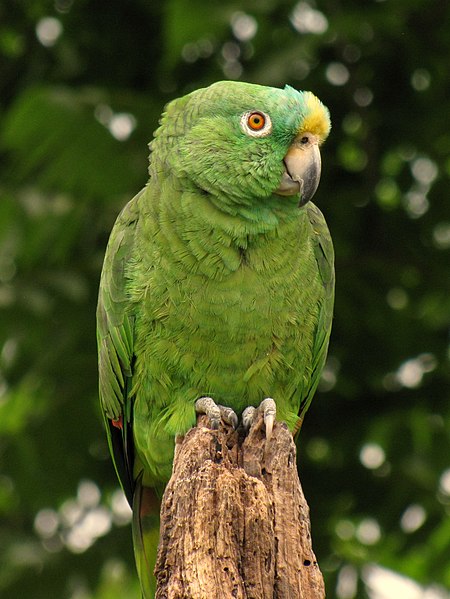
(216, 319)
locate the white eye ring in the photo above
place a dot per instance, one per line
(266, 128)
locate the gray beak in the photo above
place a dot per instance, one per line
(302, 169)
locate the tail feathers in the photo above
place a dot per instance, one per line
(145, 536)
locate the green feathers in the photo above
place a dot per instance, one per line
(216, 280)
(201, 140)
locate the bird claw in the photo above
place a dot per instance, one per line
(248, 417)
(228, 416)
(216, 412)
(268, 408)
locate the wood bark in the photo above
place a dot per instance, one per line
(234, 520)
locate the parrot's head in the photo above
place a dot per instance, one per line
(242, 142)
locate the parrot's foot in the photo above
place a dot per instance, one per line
(215, 412)
(268, 408)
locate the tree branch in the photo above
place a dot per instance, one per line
(234, 520)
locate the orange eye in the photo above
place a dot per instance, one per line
(256, 121)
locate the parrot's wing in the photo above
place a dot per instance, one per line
(324, 253)
(115, 323)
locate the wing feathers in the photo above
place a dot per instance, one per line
(115, 341)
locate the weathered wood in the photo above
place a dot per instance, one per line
(234, 520)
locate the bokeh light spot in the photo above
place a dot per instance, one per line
(306, 19)
(368, 531)
(347, 582)
(397, 298)
(420, 79)
(244, 26)
(372, 455)
(441, 235)
(413, 518)
(48, 30)
(46, 523)
(444, 482)
(337, 73)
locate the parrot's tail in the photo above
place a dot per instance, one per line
(146, 506)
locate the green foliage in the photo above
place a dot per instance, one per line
(82, 88)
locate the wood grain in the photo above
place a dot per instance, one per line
(234, 520)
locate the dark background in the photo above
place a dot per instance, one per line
(82, 87)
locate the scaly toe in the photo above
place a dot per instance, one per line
(248, 417)
(215, 412)
(229, 416)
(269, 409)
(207, 406)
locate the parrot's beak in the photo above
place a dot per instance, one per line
(302, 169)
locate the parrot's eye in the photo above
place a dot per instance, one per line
(256, 123)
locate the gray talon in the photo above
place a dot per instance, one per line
(228, 416)
(248, 417)
(207, 406)
(269, 410)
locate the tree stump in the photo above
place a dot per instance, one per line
(234, 520)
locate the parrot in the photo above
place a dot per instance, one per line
(217, 289)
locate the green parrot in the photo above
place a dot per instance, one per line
(217, 289)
